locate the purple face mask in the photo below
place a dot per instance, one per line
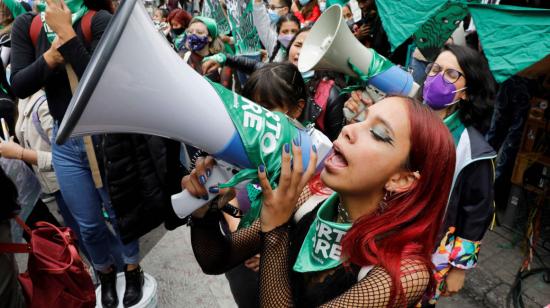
(439, 94)
(196, 42)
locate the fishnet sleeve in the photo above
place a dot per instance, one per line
(374, 289)
(275, 288)
(217, 253)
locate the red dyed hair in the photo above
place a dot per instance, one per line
(180, 16)
(409, 226)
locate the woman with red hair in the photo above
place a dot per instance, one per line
(178, 20)
(370, 243)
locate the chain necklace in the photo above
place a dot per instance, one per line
(343, 215)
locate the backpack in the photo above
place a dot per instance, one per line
(35, 118)
(85, 24)
(56, 275)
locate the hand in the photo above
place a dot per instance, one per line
(195, 181)
(294, 8)
(210, 66)
(226, 39)
(263, 55)
(58, 18)
(356, 104)
(279, 204)
(253, 263)
(52, 56)
(362, 32)
(454, 281)
(10, 149)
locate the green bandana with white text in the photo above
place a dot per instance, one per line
(321, 249)
(77, 7)
(263, 134)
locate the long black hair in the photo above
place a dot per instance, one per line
(476, 110)
(276, 85)
(283, 19)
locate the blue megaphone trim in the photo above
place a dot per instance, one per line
(393, 81)
(234, 153)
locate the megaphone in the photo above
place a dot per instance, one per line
(136, 83)
(330, 45)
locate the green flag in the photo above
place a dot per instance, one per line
(401, 19)
(513, 38)
(214, 10)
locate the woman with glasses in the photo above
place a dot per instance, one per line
(459, 88)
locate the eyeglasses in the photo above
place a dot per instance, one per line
(273, 7)
(449, 75)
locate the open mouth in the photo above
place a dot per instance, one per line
(336, 159)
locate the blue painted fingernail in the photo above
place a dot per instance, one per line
(213, 190)
(287, 148)
(205, 197)
(208, 172)
(202, 179)
(314, 148)
(296, 141)
(261, 168)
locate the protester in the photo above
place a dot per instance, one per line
(275, 33)
(385, 220)
(160, 19)
(11, 294)
(307, 11)
(178, 20)
(34, 133)
(460, 89)
(40, 64)
(276, 27)
(202, 40)
(276, 87)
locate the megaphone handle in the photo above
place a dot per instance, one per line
(184, 203)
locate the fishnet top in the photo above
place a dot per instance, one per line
(280, 286)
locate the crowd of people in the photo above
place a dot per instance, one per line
(395, 218)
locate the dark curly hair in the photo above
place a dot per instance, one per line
(477, 109)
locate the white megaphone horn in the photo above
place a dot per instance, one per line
(136, 83)
(330, 45)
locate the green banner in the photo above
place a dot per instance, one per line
(247, 41)
(214, 10)
(513, 38)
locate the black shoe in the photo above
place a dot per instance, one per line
(134, 286)
(109, 297)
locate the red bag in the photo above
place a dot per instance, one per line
(56, 275)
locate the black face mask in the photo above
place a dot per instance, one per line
(178, 31)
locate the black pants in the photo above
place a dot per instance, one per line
(245, 286)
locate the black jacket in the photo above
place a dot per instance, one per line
(30, 72)
(142, 172)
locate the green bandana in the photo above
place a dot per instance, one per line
(321, 249)
(263, 134)
(210, 24)
(15, 7)
(455, 126)
(77, 7)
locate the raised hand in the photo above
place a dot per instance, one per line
(279, 204)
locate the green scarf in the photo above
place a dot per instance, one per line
(455, 126)
(15, 7)
(77, 7)
(263, 134)
(321, 249)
